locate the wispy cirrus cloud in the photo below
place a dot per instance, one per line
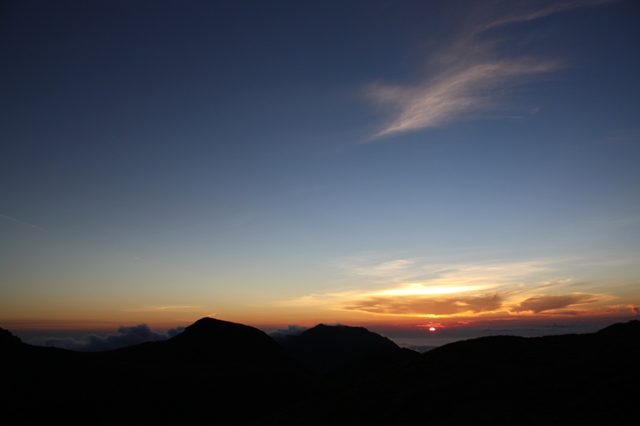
(19, 222)
(172, 308)
(470, 76)
(455, 92)
(242, 219)
(410, 270)
(385, 269)
(530, 10)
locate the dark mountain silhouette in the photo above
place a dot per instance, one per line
(215, 372)
(8, 341)
(374, 363)
(559, 380)
(210, 341)
(223, 373)
(323, 348)
(630, 330)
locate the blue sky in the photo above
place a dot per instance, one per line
(279, 163)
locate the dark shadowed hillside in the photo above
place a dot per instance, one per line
(222, 373)
(8, 341)
(560, 380)
(210, 341)
(324, 348)
(376, 362)
(216, 372)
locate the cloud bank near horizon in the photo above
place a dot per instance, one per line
(291, 330)
(418, 287)
(126, 336)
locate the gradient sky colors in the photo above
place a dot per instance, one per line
(293, 162)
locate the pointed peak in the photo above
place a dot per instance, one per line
(211, 323)
(207, 327)
(334, 326)
(205, 321)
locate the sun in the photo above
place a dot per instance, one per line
(432, 329)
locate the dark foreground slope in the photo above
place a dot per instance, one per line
(222, 373)
(560, 380)
(324, 348)
(216, 372)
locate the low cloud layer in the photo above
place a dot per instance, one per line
(417, 305)
(417, 286)
(292, 330)
(126, 336)
(543, 303)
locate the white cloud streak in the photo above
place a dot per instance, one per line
(468, 76)
(30, 225)
(452, 94)
(536, 10)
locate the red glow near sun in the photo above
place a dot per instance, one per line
(432, 329)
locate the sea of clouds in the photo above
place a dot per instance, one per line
(125, 336)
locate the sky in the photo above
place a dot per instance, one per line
(391, 164)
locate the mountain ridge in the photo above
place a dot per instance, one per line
(324, 348)
(233, 374)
